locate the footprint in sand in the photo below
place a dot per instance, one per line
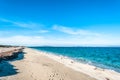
(52, 77)
(56, 73)
(31, 76)
(107, 78)
(37, 79)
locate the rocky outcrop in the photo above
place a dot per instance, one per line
(11, 54)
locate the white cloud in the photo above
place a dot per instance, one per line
(27, 25)
(22, 40)
(76, 37)
(22, 24)
(43, 31)
(57, 41)
(73, 31)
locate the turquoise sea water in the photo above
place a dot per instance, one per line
(104, 57)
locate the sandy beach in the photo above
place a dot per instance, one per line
(38, 65)
(59, 39)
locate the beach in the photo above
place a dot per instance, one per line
(37, 65)
(59, 39)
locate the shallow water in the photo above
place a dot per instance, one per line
(104, 57)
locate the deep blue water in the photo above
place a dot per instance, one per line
(104, 57)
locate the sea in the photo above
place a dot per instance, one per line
(103, 57)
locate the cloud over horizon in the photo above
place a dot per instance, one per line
(49, 36)
(46, 41)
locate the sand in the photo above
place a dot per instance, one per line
(38, 65)
(96, 72)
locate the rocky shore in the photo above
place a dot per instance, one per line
(8, 53)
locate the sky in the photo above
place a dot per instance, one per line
(60, 22)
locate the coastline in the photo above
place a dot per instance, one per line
(9, 53)
(93, 71)
(38, 65)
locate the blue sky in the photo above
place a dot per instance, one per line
(60, 22)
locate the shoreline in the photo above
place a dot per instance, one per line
(72, 60)
(95, 72)
(38, 65)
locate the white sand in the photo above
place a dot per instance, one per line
(98, 73)
(37, 66)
